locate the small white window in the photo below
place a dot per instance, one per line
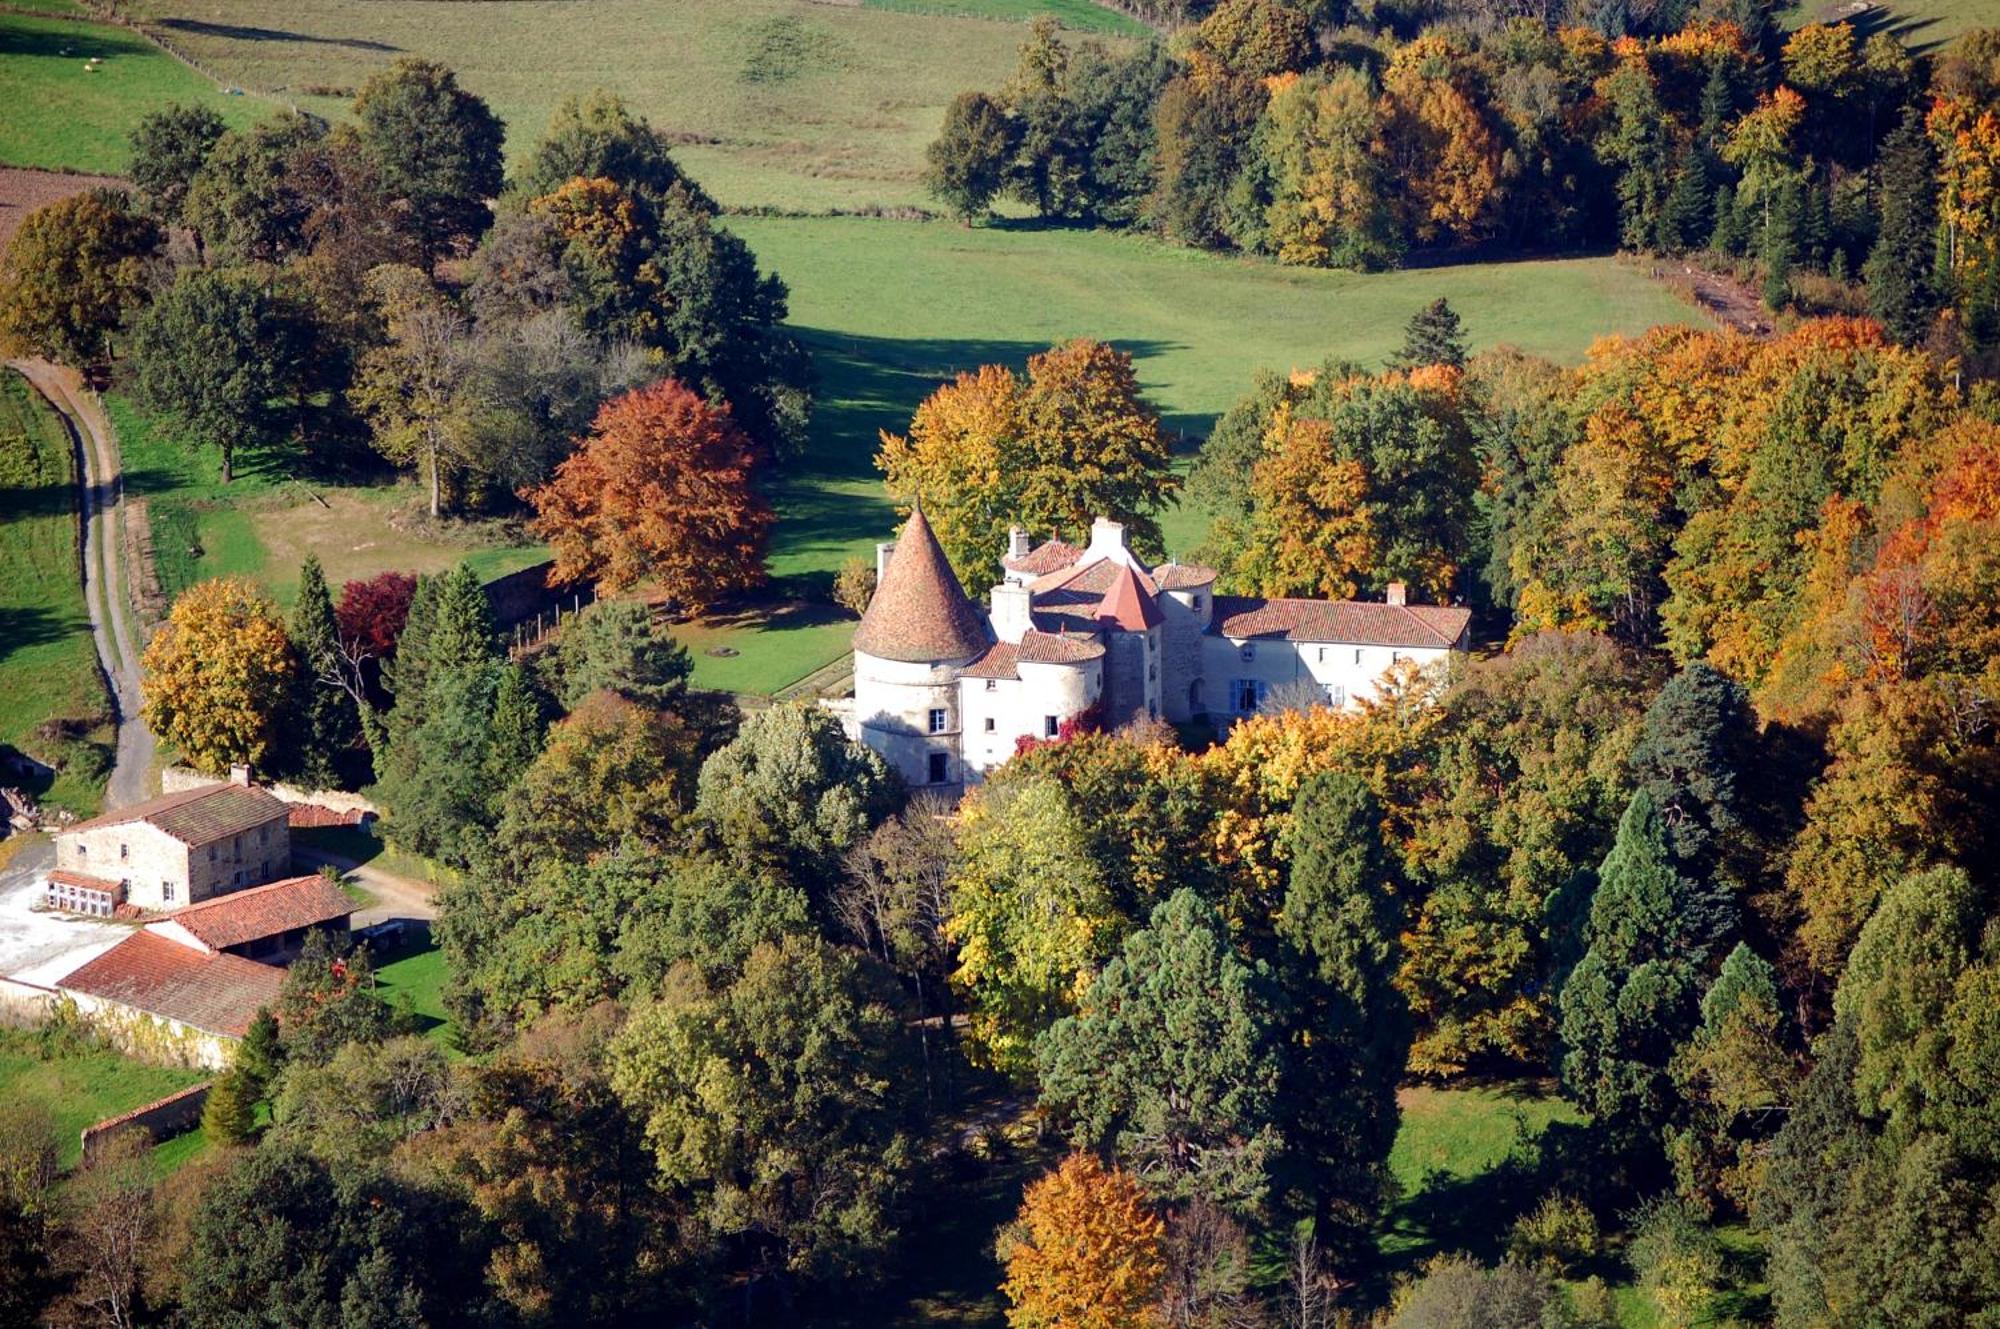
(1395, 656)
(1051, 726)
(1357, 655)
(992, 685)
(167, 891)
(937, 720)
(83, 851)
(1336, 696)
(123, 852)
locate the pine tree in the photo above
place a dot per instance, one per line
(1783, 237)
(405, 675)
(1633, 998)
(515, 737)
(1728, 235)
(462, 632)
(260, 1055)
(1434, 336)
(330, 722)
(229, 1116)
(1698, 735)
(1684, 217)
(1902, 292)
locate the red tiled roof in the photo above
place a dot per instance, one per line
(84, 881)
(920, 611)
(1182, 576)
(197, 816)
(1093, 578)
(1046, 557)
(148, 972)
(1126, 605)
(1365, 623)
(998, 662)
(305, 816)
(1058, 648)
(264, 911)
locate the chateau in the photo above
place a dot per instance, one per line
(945, 692)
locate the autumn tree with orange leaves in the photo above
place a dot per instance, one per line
(664, 488)
(1086, 1252)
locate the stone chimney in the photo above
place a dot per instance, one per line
(1017, 542)
(1398, 594)
(1107, 540)
(239, 774)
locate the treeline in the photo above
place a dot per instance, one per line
(1278, 128)
(381, 289)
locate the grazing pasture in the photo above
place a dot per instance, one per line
(64, 114)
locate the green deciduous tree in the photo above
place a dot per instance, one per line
(436, 148)
(168, 148)
(968, 160)
(73, 272)
(781, 1101)
(221, 676)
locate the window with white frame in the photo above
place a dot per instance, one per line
(1336, 695)
(1051, 726)
(938, 718)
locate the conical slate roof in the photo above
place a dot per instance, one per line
(920, 611)
(1125, 604)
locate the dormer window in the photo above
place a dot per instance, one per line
(1249, 650)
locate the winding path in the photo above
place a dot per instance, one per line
(103, 571)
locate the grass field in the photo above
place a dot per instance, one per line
(890, 309)
(264, 522)
(778, 103)
(48, 666)
(81, 117)
(1921, 25)
(418, 978)
(81, 1089)
(1077, 15)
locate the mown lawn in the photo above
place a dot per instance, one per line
(777, 103)
(1921, 25)
(60, 114)
(891, 309)
(48, 665)
(81, 1089)
(265, 521)
(417, 978)
(1077, 15)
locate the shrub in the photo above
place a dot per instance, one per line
(1557, 1238)
(854, 586)
(1677, 1260)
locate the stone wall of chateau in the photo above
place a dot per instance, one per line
(893, 705)
(1183, 692)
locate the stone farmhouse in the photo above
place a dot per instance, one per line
(174, 850)
(187, 985)
(945, 692)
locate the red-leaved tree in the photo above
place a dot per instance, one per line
(662, 488)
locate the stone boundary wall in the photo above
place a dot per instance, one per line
(25, 1005)
(173, 779)
(176, 1114)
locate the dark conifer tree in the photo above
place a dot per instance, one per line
(330, 724)
(1902, 293)
(1434, 336)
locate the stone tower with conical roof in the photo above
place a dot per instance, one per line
(919, 633)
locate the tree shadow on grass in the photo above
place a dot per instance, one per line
(67, 41)
(25, 626)
(243, 33)
(869, 384)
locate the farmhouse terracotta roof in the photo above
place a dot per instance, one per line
(197, 816)
(1126, 605)
(1362, 623)
(147, 972)
(241, 917)
(84, 881)
(1046, 557)
(920, 611)
(1182, 576)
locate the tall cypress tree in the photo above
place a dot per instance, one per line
(331, 724)
(515, 737)
(462, 631)
(1634, 997)
(1783, 236)
(1684, 216)
(1902, 291)
(1339, 948)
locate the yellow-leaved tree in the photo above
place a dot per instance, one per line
(1086, 1252)
(219, 675)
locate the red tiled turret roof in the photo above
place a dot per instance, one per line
(1126, 605)
(920, 611)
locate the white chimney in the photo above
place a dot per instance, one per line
(1398, 594)
(1013, 615)
(239, 774)
(883, 549)
(1107, 540)
(1017, 542)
